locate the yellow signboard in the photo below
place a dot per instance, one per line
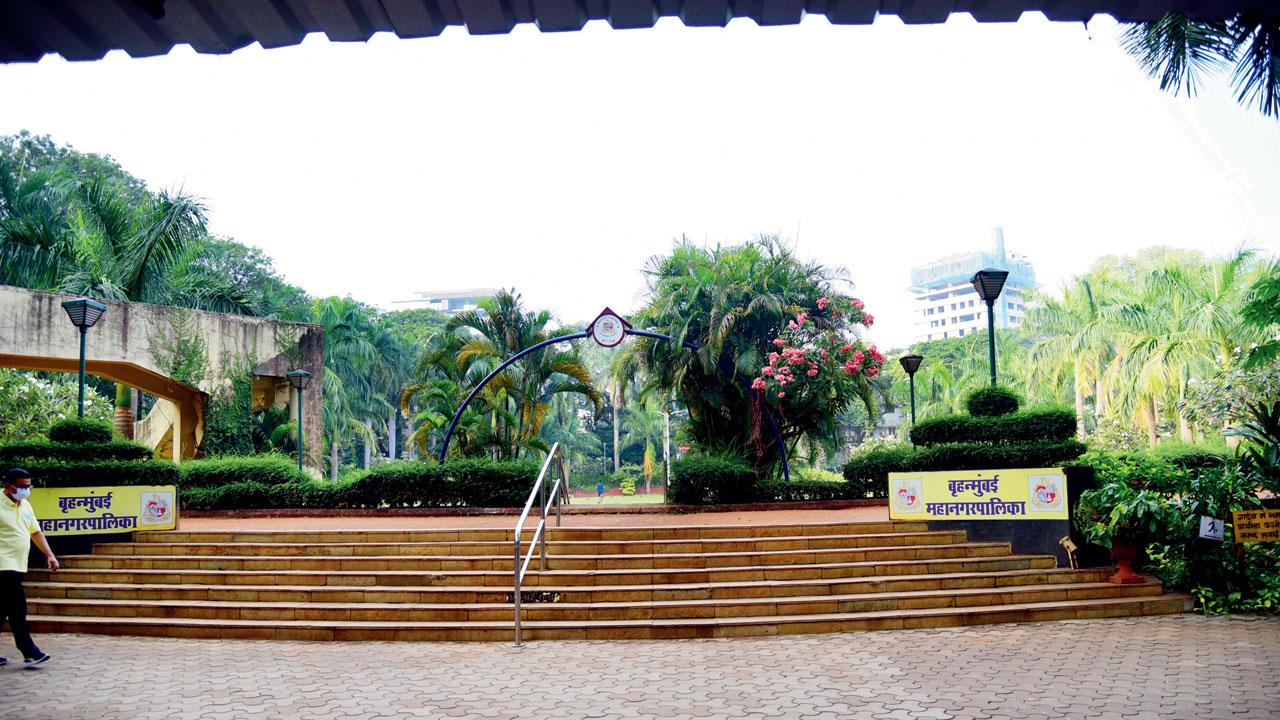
(1256, 525)
(93, 510)
(1020, 494)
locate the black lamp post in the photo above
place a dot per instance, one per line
(989, 282)
(911, 363)
(83, 313)
(299, 379)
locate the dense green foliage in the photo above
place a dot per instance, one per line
(94, 473)
(711, 480)
(263, 469)
(737, 304)
(14, 453)
(80, 430)
(1156, 500)
(228, 419)
(1179, 51)
(461, 483)
(992, 402)
(1026, 426)
(29, 402)
(874, 466)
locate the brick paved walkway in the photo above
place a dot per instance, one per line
(1181, 666)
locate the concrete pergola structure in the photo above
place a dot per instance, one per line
(30, 29)
(35, 334)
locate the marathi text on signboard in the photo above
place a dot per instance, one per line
(94, 510)
(1016, 494)
(1256, 525)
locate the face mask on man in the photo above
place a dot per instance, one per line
(22, 493)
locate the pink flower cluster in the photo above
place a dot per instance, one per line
(805, 350)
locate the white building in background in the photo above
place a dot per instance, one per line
(947, 306)
(451, 302)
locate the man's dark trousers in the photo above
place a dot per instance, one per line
(13, 608)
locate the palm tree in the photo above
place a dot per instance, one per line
(352, 365)
(517, 400)
(1072, 345)
(1179, 50)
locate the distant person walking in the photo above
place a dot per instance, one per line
(18, 528)
(599, 492)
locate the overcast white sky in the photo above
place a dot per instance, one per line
(557, 163)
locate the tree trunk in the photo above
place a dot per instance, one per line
(1184, 429)
(1099, 401)
(1079, 411)
(616, 456)
(391, 435)
(333, 460)
(1153, 414)
(368, 445)
(122, 421)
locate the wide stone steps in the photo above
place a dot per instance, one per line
(591, 611)
(573, 594)
(535, 578)
(674, 628)
(373, 563)
(559, 547)
(603, 582)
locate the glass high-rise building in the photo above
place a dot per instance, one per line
(947, 306)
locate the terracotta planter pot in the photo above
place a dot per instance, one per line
(1124, 553)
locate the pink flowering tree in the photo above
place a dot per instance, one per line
(818, 367)
(759, 317)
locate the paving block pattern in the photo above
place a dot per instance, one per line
(636, 582)
(1180, 667)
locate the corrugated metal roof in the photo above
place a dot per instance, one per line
(88, 29)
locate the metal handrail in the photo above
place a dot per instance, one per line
(539, 538)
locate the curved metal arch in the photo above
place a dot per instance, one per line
(686, 344)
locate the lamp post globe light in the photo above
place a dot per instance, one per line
(84, 313)
(299, 379)
(911, 363)
(989, 282)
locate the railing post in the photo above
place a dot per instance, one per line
(516, 595)
(542, 508)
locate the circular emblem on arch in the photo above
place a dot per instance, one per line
(608, 329)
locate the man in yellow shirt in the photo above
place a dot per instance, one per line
(18, 528)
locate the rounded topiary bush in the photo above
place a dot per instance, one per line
(991, 401)
(80, 430)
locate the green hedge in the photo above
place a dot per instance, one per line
(801, 490)
(15, 453)
(49, 473)
(80, 430)
(711, 480)
(874, 467)
(470, 483)
(992, 401)
(1021, 427)
(263, 469)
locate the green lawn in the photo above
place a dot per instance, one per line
(638, 499)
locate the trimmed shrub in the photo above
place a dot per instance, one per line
(873, 468)
(472, 483)
(30, 450)
(262, 469)
(486, 483)
(1192, 457)
(992, 401)
(711, 480)
(80, 430)
(1026, 426)
(107, 472)
(403, 484)
(801, 490)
